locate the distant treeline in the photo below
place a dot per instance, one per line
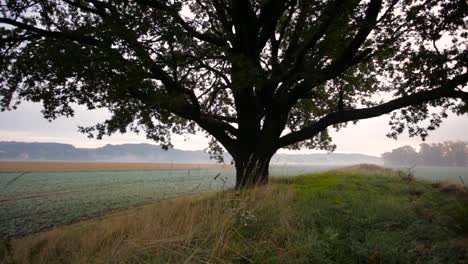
(36, 151)
(437, 154)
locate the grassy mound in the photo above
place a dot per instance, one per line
(356, 215)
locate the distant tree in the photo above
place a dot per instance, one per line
(432, 155)
(403, 156)
(456, 153)
(436, 154)
(255, 75)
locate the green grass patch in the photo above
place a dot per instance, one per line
(373, 216)
(359, 219)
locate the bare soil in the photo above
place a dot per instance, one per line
(16, 166)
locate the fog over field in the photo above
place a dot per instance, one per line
(367, 137)
(26, 151)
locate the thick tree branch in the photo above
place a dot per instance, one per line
(293, 41)
(229, 119)
(64, 35)
(268, 19)
(82, 6)
(221, 9)
(215, 71)
(367, 26)
(245, 23)
(19, 38)
(213, 125)
(275, 43)
(296, 53)
(348, 57)
(447, 91)
(206, 37)
(303, 89)
(217, 122)
(331, 12)
(170, 83)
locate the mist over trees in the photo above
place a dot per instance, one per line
(448, 153)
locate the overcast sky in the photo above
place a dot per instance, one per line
(367, 137)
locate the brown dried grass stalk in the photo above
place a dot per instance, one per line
(176, 229)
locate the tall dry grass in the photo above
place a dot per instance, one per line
(183, 229)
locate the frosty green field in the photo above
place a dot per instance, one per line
(34, 201)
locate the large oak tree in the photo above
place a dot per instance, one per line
(254, 75)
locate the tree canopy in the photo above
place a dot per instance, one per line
(254, 75)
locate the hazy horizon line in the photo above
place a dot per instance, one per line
(177, 148)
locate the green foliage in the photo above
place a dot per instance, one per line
(242, 71)
(459, 212)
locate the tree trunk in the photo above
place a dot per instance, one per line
(252, 171)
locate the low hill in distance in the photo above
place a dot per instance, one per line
(35, 151)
